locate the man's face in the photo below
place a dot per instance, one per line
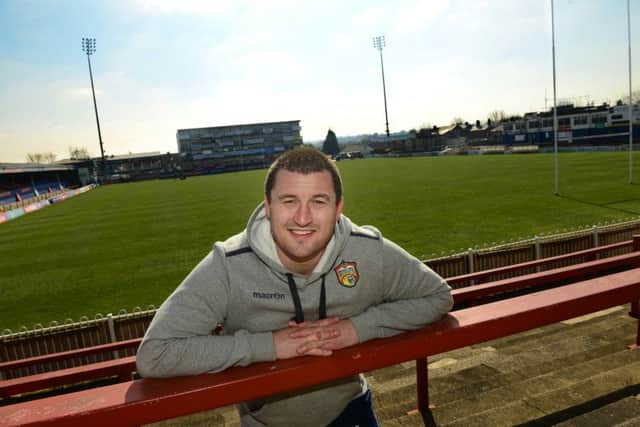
(303, 213)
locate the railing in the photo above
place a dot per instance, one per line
(88, 333)
(148, 400)
(461, 270)
(544, 263)
(539, 247)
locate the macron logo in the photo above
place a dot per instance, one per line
(268, 295)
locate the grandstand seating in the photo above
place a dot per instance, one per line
(148, 400)
(16, 188)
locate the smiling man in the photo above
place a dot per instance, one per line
(300, 280)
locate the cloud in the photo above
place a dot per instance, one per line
(212, 7)
(409, 20)
(191, 7)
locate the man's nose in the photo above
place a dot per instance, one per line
(303, 215)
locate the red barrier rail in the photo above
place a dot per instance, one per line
(148, 400)
(586, 270)
(590, 254)
(122, 368)
(69, 354)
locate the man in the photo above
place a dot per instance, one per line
(301, 279)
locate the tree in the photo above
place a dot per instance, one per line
(35, 158)
(457, 121)
(497, 116)
(330, 145)
(78, 153)
(38, 158)
(49, 157)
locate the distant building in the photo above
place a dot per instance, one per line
(591, 125)
(399, 142)
(237, 147)
(127, 167)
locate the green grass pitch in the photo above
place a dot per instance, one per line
(130, 245)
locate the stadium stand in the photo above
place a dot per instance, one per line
(147, 400)
(22, 184)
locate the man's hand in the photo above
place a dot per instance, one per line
(314, 338)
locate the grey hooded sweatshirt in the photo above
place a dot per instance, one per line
(242, 285)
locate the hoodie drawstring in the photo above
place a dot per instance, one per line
(322, 309)
(299, 317)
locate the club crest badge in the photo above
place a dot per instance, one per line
(347, 274)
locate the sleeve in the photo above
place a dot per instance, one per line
(414, 296)
(180, 340)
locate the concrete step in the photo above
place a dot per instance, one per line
(619, 408)
(591, 334)
(221, 417)
(554, 397)
(488, 369)
(593, 325)
(553, 366)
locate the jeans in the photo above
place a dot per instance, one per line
(358, 413)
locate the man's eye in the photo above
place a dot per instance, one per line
(320, 202)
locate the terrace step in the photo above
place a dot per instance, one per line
(541, 399)
(221, 417)
(485, 366)
(554, 339)
(579, 358)
(622, 412)
(581, 399)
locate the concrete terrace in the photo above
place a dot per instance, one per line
(574, 373)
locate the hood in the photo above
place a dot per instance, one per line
(262, 243)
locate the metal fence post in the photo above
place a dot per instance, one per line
(422, 385)
(470, 264)
(536, 248)
(112, 334)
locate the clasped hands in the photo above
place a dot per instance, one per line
(314, 338)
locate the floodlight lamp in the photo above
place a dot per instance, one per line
(378, 42)
(88, 45)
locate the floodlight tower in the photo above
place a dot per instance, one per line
(556, 191)
(379, 43)
(630, 96)
(89, 47)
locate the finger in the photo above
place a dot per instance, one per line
(331, 345)
(317, 352)
(301, 333)
(317, 333)
(312, 348)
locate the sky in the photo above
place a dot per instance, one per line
(163, 65)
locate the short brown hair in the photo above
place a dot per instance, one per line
(303, 159)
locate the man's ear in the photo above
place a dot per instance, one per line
(339, 209)
(267, 208)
